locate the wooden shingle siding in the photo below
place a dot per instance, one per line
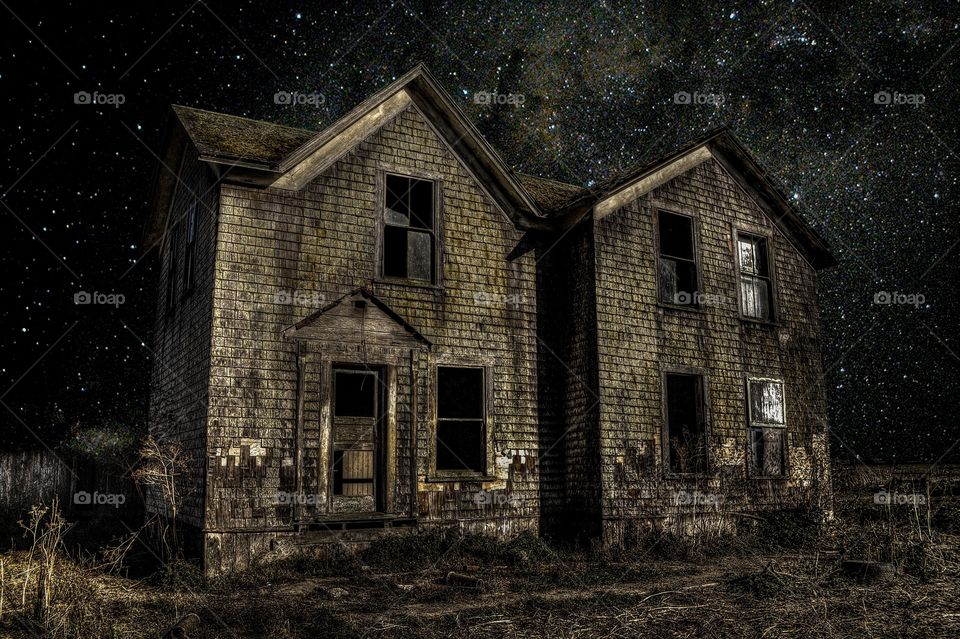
(639, 339)
(181, 349)
(315, 246)
(563, 318)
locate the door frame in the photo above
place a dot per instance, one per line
(381, 428)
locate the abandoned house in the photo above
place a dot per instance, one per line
(381, 325)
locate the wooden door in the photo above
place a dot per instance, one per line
(356, 464)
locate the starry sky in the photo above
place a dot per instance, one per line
(852, 106)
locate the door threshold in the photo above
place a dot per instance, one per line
(355, 521)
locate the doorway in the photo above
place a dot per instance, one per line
(358, 464)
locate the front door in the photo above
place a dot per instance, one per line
(357, 464)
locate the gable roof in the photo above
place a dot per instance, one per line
(333, 321)
(550, 195)
(265, 154)
(722, 145)
(218, 136)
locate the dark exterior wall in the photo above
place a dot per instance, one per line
(181, 349)
(638, 340)
(315, 246)
(570, 402)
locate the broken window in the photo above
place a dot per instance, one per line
(461, 419)
(189, 258)
(755, 284)
(408, 233)
(354, 394)
(678, 266)
(767, 427)
(686, 426)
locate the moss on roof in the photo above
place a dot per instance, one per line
(549, 195)
(232, 137)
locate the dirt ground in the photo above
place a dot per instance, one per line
(524, 589)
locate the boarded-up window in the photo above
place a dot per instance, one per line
(767, 427)
(755, 284)
(678, 266)
(461, 418)
(189, 257)
(408, 234)
(686, 426)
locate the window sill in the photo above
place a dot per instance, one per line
(448, 478)
(394, 281)
(680, 307)
(760, 322)
(693, 476)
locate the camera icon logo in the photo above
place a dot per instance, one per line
(82, 97)
(682, 97)
(82, 297)
(882, 297)
(883, 97)
(82, 498)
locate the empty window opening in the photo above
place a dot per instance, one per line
(355, 394)
(686, 427)
(461, 418)
(408, 234)
(678, 266)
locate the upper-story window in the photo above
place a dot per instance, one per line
(409, 239)
(678, 264)
(756, 286)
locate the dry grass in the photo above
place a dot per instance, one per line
(747, 586)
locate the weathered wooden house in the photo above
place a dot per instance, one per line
(381, 324)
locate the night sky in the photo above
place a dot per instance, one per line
(852, 108)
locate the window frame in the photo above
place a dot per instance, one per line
(782, 428)
(706, 416)
(656, 207)
(767, 237)
(442, 475)
(436, 232)
(172, 270)
(189, 249)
